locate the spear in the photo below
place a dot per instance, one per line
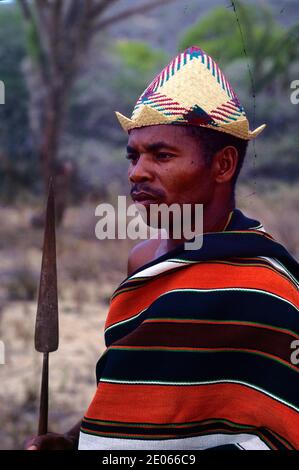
(46, 326)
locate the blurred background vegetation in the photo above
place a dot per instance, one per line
(67, 66)
(63, 85)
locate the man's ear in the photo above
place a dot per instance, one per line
(225, 164)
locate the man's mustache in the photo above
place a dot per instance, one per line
(142, 188)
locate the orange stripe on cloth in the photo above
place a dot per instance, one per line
(158, 404)
(200, 276)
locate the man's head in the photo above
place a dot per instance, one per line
(193, 109)
(184, 164)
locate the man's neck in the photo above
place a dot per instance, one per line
(214, 220)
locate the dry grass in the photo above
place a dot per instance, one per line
(277, 208)
(89, 271)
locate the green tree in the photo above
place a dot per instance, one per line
(140, 63)
(17, 161)
(271, 48)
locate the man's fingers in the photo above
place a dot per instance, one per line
(29, 442)
(50, 441)
(34, 443)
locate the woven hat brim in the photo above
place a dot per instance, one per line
(152, 117)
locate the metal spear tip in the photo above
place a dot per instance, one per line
(46, 326)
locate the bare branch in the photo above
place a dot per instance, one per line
(55, 40)
(42, 17)
(25, 8)
(74, 10)
(77, 39)
(130, 12)
(101, 7)
(31, 21)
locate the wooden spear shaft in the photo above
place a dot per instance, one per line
(44, 397)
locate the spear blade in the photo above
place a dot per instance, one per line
(46, 326)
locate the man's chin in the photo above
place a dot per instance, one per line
(146, 204)
(144, 209)
(153, 217)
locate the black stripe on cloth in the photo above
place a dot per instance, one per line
(239, 305)
(239, 221)
(187, 368)
(228, 447)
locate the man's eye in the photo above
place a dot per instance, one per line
(132, 157)
(164, 155)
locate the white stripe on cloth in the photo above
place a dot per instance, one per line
(246, 441)
(157, 269)
(171, 264)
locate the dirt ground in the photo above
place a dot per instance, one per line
(88, 270)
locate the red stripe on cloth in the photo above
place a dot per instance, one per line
(200, 276)
(159, 404)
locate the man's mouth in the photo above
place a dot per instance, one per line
(144, 198)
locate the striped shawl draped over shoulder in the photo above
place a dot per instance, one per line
(200, 349)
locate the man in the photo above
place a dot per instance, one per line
(199, 342)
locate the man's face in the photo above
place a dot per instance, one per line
(167, 166)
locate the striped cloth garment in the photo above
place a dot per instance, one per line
(200, 350)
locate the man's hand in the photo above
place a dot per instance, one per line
(54, 441)
(51, 441)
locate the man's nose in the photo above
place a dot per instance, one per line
(141, 171)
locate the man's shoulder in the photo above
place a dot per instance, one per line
(142, 253)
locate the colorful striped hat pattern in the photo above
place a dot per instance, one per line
(191, 90)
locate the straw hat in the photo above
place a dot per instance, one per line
(192, 90)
